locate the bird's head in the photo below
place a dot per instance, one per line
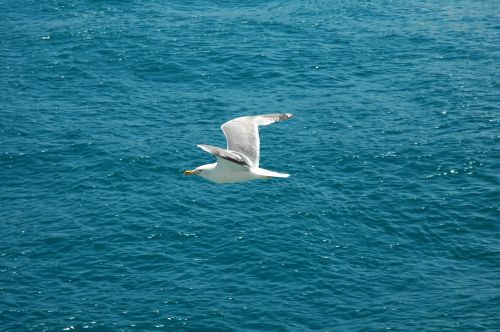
(200, 169)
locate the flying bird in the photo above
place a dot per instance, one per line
(240, 161)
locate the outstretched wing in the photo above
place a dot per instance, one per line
(234, 157)
(242, 134)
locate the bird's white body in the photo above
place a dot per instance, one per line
(227, 172)
(240, 161)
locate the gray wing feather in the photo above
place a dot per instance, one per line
(242, 134)
(235, 157)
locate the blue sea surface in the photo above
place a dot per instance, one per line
(389, 221)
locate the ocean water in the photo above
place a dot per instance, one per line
(389, 221)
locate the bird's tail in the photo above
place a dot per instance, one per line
(270, 174)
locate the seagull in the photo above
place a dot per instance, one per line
(240, 161)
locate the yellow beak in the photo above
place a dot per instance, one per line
(189, 172)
